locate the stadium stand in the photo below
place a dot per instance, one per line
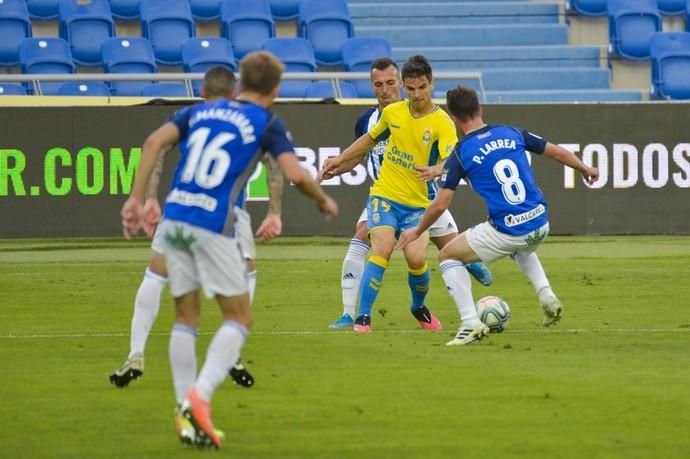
(246, 23)
(284, 10)
(43, 9)
(15, 26)
(325, 89)
(164, 90)
(75, 88)
(205, 10)
(128, 55)
(326, 24)
(671, 7)
(297, 54)
(45, 55)
(200, 54)
(587, 7)
(358, 54)
(631, 25)
(125, 9)
(167, 23)
(11, 89)
(85, 25)
(670, 55)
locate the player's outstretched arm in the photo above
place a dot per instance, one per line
(348, 159)
(560, 154)
(294, 172)
(431, 214)
(272, 226)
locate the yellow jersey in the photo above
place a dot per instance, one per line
(413, 141)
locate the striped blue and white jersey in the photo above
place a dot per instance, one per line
(366, 121)
(494, 161)
(221, 142)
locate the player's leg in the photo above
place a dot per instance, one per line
(453, 258)
(418, 278)
(146, 306)
(351, 275)
(443, 231)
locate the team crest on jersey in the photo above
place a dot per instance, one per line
(376, 217)
(426, 137)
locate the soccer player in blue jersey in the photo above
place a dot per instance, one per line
(221, 143)
(218, 83)
(493, 159)
(420, 135)
(386, 84)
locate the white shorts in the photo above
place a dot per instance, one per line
(243, 227)
(442, 227)
(491, 244)
(200, 259)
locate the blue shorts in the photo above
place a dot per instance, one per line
(382, 212)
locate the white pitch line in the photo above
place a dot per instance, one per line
(341, 332)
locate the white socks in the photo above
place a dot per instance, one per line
(353, 267)
(459, 285)
(531, 266)
(146, 305)
(182, 354)
(222, 354)
(251, 280)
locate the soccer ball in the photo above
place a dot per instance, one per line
(494, 312)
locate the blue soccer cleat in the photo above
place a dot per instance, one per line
(480, 272)
(344, 322)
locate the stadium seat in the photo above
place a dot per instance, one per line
(587, 7)
(358, 54)
(284, 10)
(45, 55)
(43, 9)
(85, 25)
(687, 15)
(297, 55)
(128, 55)
(671, 7)
(92, 88)
(246, 23)
(325, 89)
(15, 26)
(167, 23)
(200, 54)
(670, 55)
(11, 89)
(631, 25)
(205, 10)
(125, 9)
(326, 24)
(172, 89)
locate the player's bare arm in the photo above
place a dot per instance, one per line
(152, 208)
(272, 226)
(560, 154)
(301, 179)
(426, 173)
(348, 159)
(158, 143)
(439, 205)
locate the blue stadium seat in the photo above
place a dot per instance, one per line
(15, 26)
(167, 23)
(172, 89)
(45, 55)
(246, 23)
(205, 10)
(670, 55)
(297, 54)
(200, 54)
(125, 9)
(43, 9)
(326, 24)
(284, 10)
(11, 89)
(587, 7)
(128, 55)
(358, 54)
(671, 7)
(92, 88)
(687, 15)
(631, 25)
(325, 89)
(85, 25)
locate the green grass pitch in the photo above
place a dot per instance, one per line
(610, 381)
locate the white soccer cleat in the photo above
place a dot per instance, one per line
(552, 311)
(467, 335)
(132, 369)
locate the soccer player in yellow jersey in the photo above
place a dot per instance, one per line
(421, 134)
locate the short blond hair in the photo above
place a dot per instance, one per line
(260, 72)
